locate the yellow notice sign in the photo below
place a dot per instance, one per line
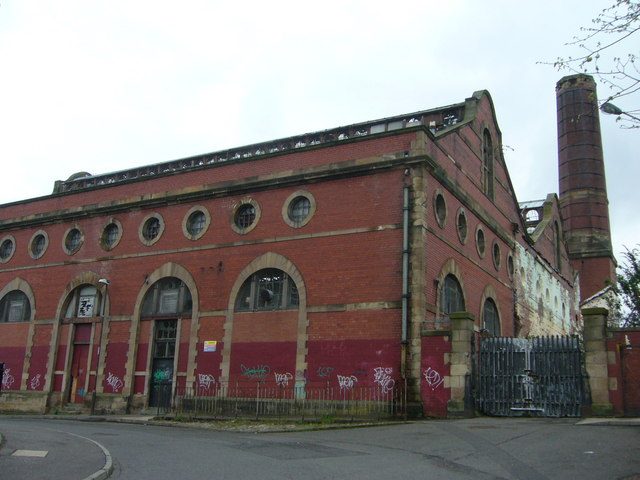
(210, 345)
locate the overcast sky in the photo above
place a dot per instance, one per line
(102, 86)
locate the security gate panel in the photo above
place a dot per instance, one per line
(540, 376)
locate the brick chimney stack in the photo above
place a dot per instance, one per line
(583, 189)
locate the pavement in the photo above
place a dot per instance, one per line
(251, 425)
(244, 425)
(611, 421)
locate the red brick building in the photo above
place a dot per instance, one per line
(320, 258)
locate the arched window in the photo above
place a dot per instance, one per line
(487, 164)
(490, 318)
(532, 216)
(169, 296)
(15, 307)
(451, 299)
(85, 301)
(267, 289)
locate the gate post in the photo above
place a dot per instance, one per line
(596, 360)
(459, 404)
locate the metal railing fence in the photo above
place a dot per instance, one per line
(258, 400)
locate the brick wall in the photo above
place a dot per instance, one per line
(116, 355)
(623, 359)
(435, 367)
(220, 173)
(13, 337)
(348, 258)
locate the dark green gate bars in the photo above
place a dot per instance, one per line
(541, 376)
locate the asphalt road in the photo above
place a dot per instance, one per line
(481, 448)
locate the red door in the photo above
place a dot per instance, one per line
(79, 363)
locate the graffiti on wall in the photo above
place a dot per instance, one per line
(324, 371)
(114, 382)
(433, 378)
(7, 379)
(282, 379)
(205, 380)
(347, 382)
(34, 383)
(258, 372)
(382, 377)
(162, 375)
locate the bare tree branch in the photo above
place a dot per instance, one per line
(600, 55)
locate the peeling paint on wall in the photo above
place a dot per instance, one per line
(544, 306)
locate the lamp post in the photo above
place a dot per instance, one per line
(104, 282)
(612, 109)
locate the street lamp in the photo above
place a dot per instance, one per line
(611, 109)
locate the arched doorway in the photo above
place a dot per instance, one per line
(83, 309)
(164, 304)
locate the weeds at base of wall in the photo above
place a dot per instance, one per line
(269, 425)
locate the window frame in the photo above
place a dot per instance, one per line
(157, 294)
(7, 302)
(257, 213)
(104, 235)
(440, 208)
(32, 253)
(66, 240)
(289, 204)
(496, 327)
(144, 228)
(496, 255)
(9, 256)
(74, 299)
(252, 291)
(488, 165)
(463, 237)
(481, 243)
(448, 283)
(510, 265)
(186, 222)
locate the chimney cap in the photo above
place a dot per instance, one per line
(575, 80)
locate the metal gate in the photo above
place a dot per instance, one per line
(542, 376)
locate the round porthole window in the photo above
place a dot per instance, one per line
(73, 241)
(7, 248)
(38, 244)
(480, 242)
(440, 208)
(196, 223)
(496, 256)
(298, 209)
(245, 216)
(461, 226)
(151, 229)
(510, 266)
(111, 234)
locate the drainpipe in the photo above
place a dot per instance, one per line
(405, 278)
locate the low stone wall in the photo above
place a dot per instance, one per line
(23, 402)
(105, 403)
